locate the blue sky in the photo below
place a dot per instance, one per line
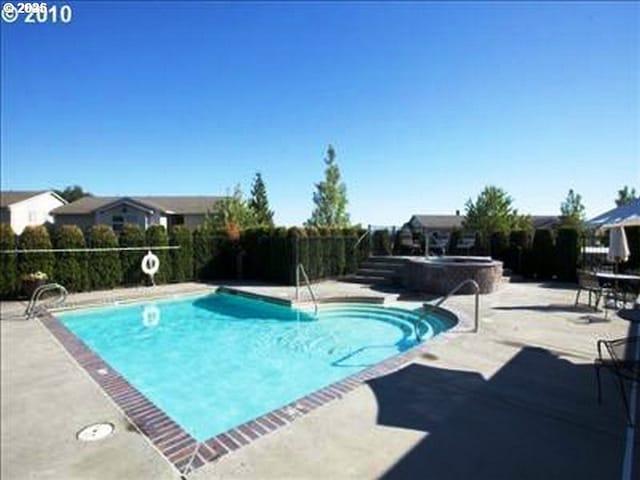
(425, 103)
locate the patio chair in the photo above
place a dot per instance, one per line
(622, 359)
(587, 281)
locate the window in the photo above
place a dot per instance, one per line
(117, 221)
(177, 219)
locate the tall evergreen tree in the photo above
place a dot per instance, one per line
(330, 197)
(625, 196)
(572, 210)
(259, 202)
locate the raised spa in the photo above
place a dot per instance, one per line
(439, 275)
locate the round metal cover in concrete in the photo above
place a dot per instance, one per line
(97, 431)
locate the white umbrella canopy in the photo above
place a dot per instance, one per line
(625, 216)
(618, 246)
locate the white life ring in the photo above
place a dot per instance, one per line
(151, 316)
(150, 264)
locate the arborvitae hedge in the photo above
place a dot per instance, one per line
(156, 236)
(499, 244)
(8, 263)
(182, 258)
(633, 240)
(202, 254)
(105, 270)
(543, 254)
(350, 250)
(339, 246)
(567, 249)
(33, 238)
(454, 238)
(381, 242)
(71, 268)
(132, 236)
(315, 253)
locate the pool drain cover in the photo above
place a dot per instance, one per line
(97, 431)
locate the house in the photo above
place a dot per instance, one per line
(143, 211)
(449, 223)
(28, 208)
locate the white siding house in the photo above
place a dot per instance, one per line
(22, 209)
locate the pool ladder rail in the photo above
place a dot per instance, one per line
(429, 307)
(34, 309)
(300, 270)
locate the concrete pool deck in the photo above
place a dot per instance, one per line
(515, 400)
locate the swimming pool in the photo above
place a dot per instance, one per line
(214, 362)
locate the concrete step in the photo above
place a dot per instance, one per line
(382, 265)
(396, 261)
(382, 272)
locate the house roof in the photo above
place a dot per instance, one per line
(448, 222)
(9, 197)
(167, 204)
(436, 222)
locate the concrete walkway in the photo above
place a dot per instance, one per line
(516, 400)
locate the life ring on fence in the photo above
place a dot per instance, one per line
(150, 264)
(151, 316)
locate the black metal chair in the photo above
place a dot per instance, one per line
(623, 361)
(588, 281)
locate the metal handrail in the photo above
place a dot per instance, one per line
(300, 268)
(37, 293)
(362, 237)
(476, 291)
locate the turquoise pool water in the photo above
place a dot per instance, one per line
(214, 362)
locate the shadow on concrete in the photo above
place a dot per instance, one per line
(549, 308)
(537, 417)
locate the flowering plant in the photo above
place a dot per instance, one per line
(34, 276)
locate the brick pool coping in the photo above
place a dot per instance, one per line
(179, 447)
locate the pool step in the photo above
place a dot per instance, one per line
(379, 270)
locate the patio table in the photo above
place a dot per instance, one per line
(619, 283)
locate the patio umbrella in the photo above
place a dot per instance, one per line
(625, 216)
(618, 246)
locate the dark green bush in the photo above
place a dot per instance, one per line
(340, 259)
(105, 270)
(9, 264)
(132, 236)
(202, 254)
(364, 248)
(33, 238)
(543, 254)
(454, 238)
(182, 258)
(71, 268)
(299, 244)
(519, 245)
(280, 258)
(351, 255)
(315, 253)
(381, 242)
(499, 243)
(567, 249)
(156, 236)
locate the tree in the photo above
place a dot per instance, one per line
(231, 214)
(330, 197)
(572, 210)
(492, 212)
(626, 196)
(259, 202)
(71, 268)
(106, 270)
(72, 193)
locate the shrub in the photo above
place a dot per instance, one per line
(71, 268)
(9, 265)
(454, 238)
(315, 254)
(105, 270)
(202, 254)
(33, 238)
(567, 248)
(381, 242)
(156, 236)
(365, 247)
(543, 254)
(633, 239)
(132, 236)
(517, 251)
(499, 244)
(182, 258)
(279, 256)
(340, 261)
(299, 244)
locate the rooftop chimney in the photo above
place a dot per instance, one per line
(457, 213)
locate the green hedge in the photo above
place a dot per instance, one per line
(106, 270)
(182, 258)
(71, 268)
(132, 236)
(33, 238)
(381, 242)
(567, 252)
(543, 254)
(9, 265)
(499, 245)
(156, 236)
(633, 239)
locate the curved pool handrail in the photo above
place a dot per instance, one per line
(476, 291)
(31, 309)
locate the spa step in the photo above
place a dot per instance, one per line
(369, 279)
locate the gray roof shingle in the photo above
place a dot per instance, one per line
(182, 205)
